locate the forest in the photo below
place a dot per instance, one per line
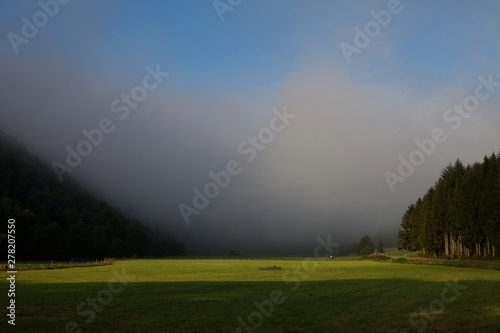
(459, 216)
(60, 220)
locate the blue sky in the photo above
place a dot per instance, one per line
(262, 42)
(353, 119)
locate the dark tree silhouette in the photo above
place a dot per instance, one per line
(459, 215)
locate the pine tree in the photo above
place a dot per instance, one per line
(380, 246)
(363, 243)
(404, 233)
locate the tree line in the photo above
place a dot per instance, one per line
(59, 220)
(459, 215)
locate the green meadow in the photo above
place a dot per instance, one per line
(231, 295)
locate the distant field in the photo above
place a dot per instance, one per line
(25, 265)
(194, 295)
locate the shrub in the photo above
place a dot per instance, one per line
(400, 260)
(269, 268)
(378, 256)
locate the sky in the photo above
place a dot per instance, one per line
(306, 112)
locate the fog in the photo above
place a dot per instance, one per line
(321, 174)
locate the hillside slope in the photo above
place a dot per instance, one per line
(58, 220)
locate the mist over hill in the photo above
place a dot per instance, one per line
(59, 220)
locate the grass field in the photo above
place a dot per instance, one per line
(188, 295)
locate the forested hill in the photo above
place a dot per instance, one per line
(58, 220)
(459, 215)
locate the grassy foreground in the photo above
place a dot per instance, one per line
(227, 295)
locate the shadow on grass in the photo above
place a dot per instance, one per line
(357, 305)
